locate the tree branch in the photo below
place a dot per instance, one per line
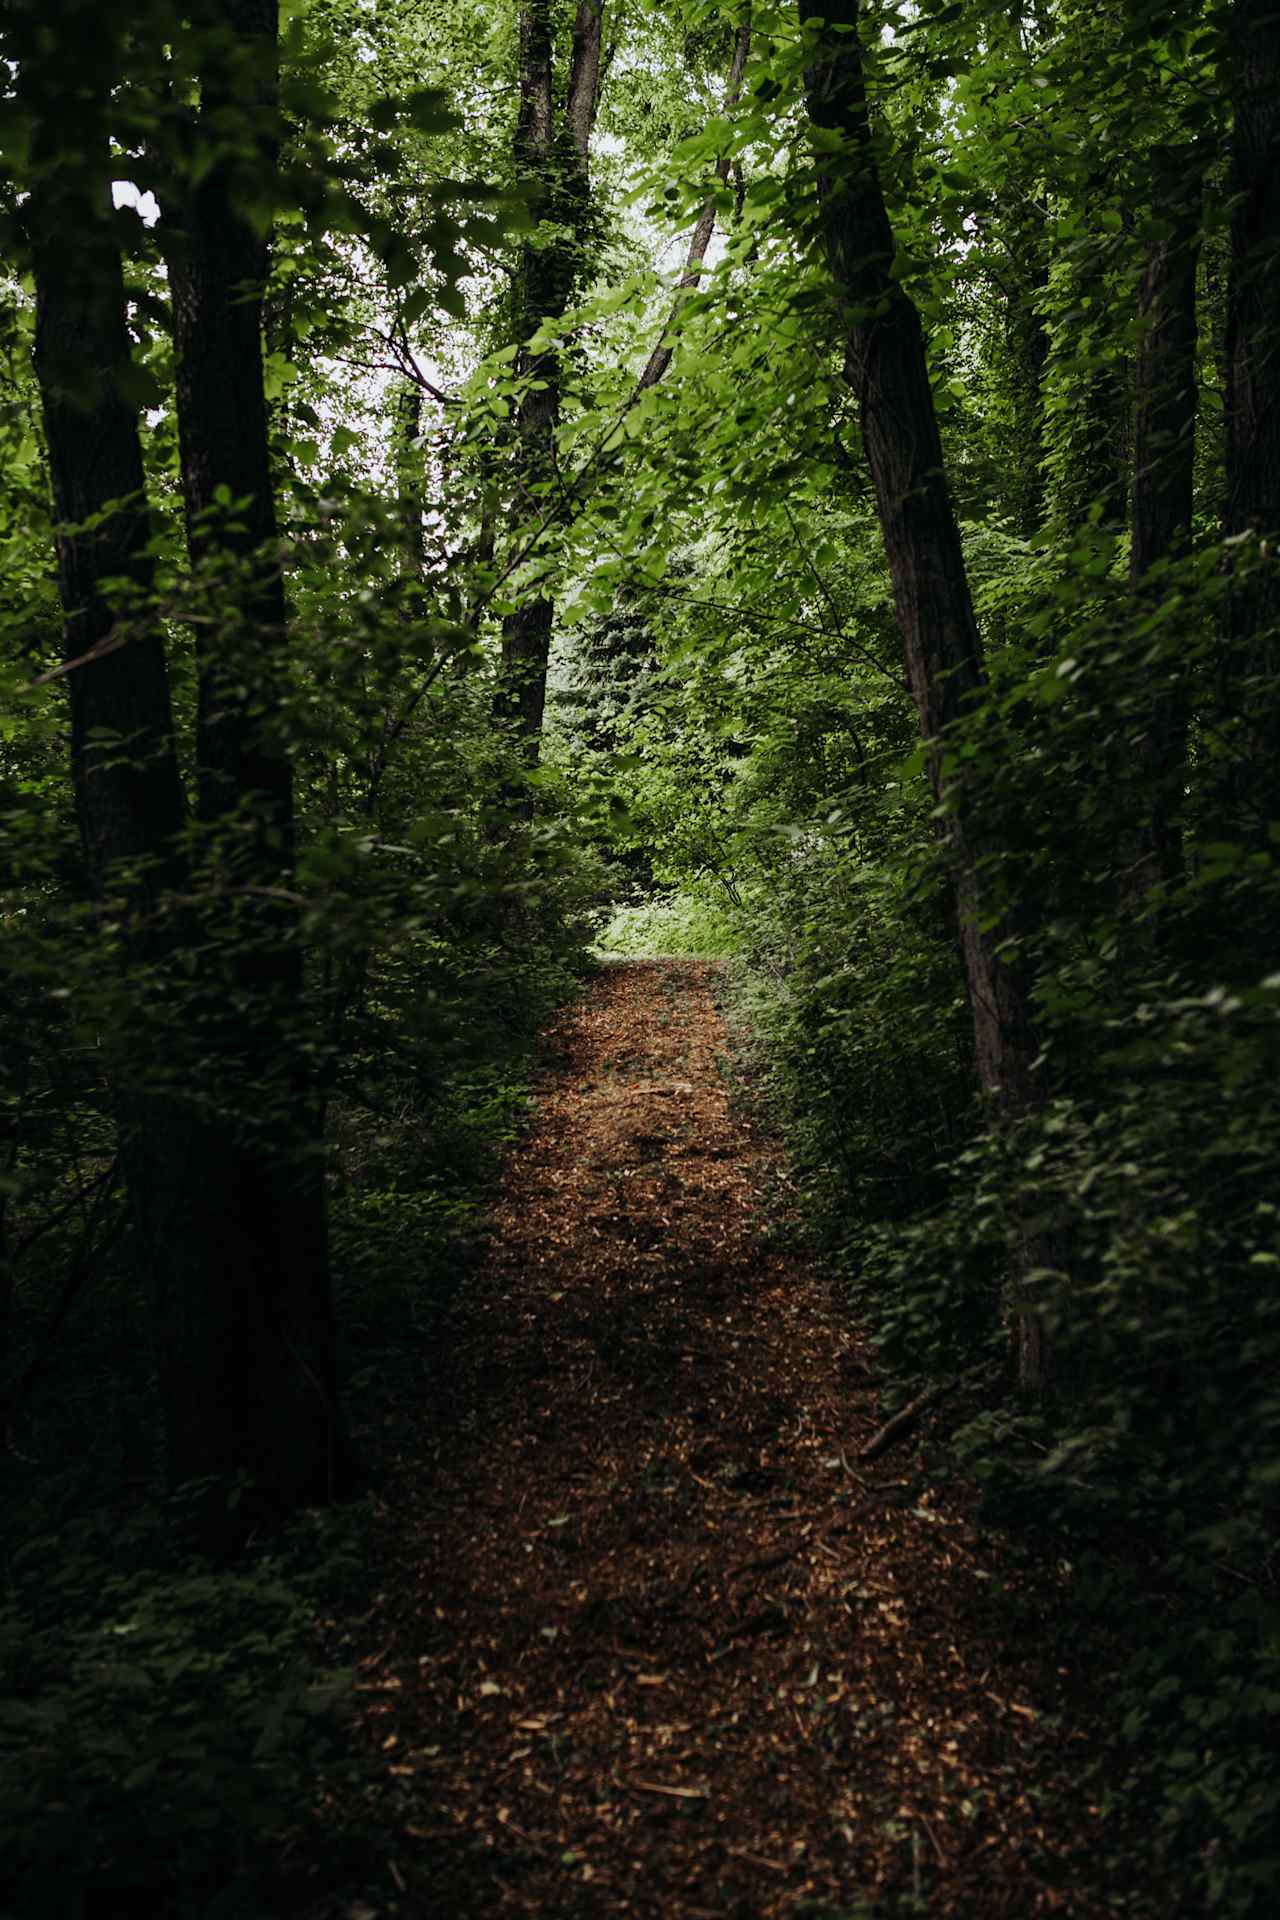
(660, 358)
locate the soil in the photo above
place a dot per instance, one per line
(652, 1638)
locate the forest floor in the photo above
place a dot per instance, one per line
(650, 1637)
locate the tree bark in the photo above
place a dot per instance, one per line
(248, 1342)
(1253, 410)
(552, 162)
(129, 801)
(1163, 474)
(217, 268)
(129, 804)
(233, 1238)
(886, 366)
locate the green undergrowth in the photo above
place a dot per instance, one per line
(169, 1725)
(416, 1175)
(668, 924)
(1149, 1477)
(164, 1719)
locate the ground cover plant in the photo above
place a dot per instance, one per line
(497, 496)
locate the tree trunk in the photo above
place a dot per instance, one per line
(1087, 376)
(886, 366)
(555, 160)
(1027, 345)
(129, 805)
(551, 155)
(217, 271)
(1163, 472)
(700, 239)
(1253, 410)
(128, 794)
(406, 431)
(234, 1239)
(249, 1366)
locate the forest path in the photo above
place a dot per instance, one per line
(651, 1641)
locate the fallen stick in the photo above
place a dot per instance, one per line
(768, 1620)
(906, 1418)
(757, 1859)
(674, 1793)
(767, 1561)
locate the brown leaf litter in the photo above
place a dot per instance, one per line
(651, 1641)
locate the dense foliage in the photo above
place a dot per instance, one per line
(568, 605)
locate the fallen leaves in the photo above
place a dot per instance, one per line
(656, 1647)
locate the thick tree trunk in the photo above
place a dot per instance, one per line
(1163, 473)
(217, 269)
(234, 1241)
(1253, 409)
(128, 794)
(551, 155)
(129, 804)
(249, 1368)
(887, 368)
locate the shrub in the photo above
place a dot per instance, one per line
(159, 1721)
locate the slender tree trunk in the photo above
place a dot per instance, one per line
(553, 158)
(551, 154)
(1163, 473)
(407, 428)
(249, 1367)
(1087, 375)
(1253, 410)
(700, 239)
(1027, 345)
(1093, 472)
(887, 368)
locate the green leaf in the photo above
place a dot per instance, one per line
(138, 386)
(415, 305)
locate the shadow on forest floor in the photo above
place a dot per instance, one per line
(649, 1637)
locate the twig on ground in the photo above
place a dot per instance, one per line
(766, 1562)
(906, 1418)
(675, 1793)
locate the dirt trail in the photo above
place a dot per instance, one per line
(652, 1642)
